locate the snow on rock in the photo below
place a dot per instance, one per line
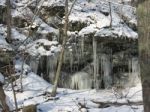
(98, 19)
(3, 44)
(91, 29)
(42, 47)
(44, 28)
(19, 65)
(2, 2)
(17, 36)
(54, 3)
(115, 32)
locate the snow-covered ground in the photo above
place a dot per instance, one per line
(37, 91)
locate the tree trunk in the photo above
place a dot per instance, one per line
(8, 38)
(62, 50)
(5, 107)
(144, 50)
(110, 13)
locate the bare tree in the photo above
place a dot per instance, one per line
(67, 13)
(5, 107)
(10, 71)
(144, 49)
(110, 13)
(8, 38)
(62, 50)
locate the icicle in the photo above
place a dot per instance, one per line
(96, 84)
(129, 66)
(82, 46)
(48, 65)
(97, 66)
(51, 67)
(135, 70)
(101, 74)
(71, 61)
(34, 62)
(81, 80)
(107, 78)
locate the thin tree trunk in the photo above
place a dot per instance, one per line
(8, 38)
(110, 14)
(14, 94)
(62, 50)
(10, 71)
(5, 107)
(144, 50)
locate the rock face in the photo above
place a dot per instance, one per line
(114, 31)
(30, 108)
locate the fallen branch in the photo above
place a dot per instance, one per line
(116, 104)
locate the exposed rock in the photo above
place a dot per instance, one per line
(29, 108)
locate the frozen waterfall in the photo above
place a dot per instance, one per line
(81, 80)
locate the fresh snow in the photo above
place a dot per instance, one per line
(36, 91)
(94, 14)
(37, 48)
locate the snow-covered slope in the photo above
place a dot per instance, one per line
(37, 91)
